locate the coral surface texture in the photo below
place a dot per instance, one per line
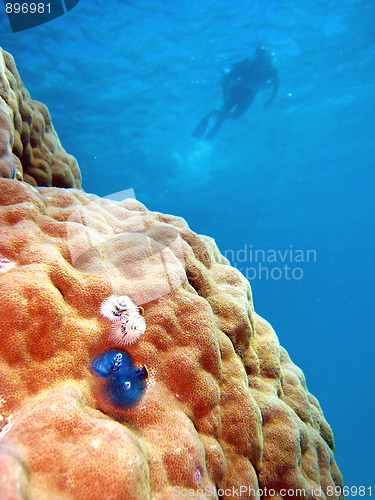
(30, 148)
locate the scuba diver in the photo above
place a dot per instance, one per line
(240, 86)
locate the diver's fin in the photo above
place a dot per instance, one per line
(200, 129)
(216, 126)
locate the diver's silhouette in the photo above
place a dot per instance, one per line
(240, 86)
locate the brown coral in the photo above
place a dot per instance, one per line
(26, 130)
(225, 408)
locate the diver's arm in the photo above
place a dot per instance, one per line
(276, 83)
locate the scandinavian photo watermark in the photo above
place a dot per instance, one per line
(250, 492)
(26, 14)
(240, 491)
(271, 264)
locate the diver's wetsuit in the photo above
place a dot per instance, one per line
(240, 86)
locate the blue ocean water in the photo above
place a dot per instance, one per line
(127, 81)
